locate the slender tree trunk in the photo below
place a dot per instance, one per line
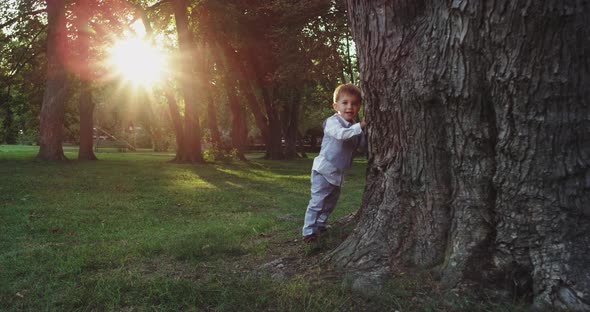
(349, 60)
(158, 144)
(313, 141)
(301, 145)
(291, 124)
(53, 107)
(254, 107)
(10, 136)
(239, 131)
(212, 122)
(190, 83)
(478, 144)
(238, 128)
(211, 109)
(238, 118)
(85, 105)
(152, 122)
(243, 77)
(176, 120)
(274, 148)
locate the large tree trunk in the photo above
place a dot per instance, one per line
(192, 131)
(53, 107)
(479, 150)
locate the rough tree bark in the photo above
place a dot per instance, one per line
(479, 144)
(189, 81)
(53, 107)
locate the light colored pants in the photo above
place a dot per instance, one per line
(323, 200)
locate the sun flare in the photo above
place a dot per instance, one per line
(137, 61)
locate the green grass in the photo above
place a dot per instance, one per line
(133, 232)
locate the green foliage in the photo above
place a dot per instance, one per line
(22, 74)
(216, 153)
(292, 46)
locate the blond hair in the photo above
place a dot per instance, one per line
(347, 88)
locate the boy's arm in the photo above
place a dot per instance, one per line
(337, 131)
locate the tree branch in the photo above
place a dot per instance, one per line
(13, 20)
(155, 5)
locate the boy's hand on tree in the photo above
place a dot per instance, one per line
(363, 123)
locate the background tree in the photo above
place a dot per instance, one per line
(86, 104)
(23, 42)
(478, 135)
(191, 149)
(238, 130)
(25, 30)
(52, 110)
(92, 26)
(291, 34)
(283, 53)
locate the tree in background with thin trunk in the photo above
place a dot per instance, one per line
(86, 104)
(52, 110)
(191, 149)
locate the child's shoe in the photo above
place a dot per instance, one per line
(310, 238)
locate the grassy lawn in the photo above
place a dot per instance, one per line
(133, 232)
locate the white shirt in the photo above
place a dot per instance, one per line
(340, 140)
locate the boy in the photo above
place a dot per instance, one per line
(341, 138)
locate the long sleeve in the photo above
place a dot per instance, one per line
(337, 131)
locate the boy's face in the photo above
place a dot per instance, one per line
(347, 106)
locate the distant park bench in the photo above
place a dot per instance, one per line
(104, 141)
(121, 146)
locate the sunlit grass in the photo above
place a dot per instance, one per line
(134, 232)
(90, 234)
